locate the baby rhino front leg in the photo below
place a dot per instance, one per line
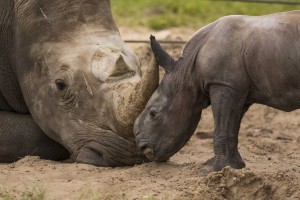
(228, 108)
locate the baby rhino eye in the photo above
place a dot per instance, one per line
(152, 113)
(60, 84)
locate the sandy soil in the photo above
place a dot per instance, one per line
(269, 143)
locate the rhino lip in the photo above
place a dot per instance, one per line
(149, 153)
(146, 149)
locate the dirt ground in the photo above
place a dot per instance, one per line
(269, 143)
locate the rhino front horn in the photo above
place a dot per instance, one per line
(161, 56)
(131, 98)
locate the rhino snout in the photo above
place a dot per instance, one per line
(146, 150)
(149, 153)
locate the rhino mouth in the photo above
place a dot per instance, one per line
(150, 153)
(146, 150)
(115, 153)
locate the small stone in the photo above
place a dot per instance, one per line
(12, 165)
(269, 158)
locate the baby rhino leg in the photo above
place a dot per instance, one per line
(228, 108)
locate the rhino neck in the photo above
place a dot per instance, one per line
(6, 24)
(9, 101)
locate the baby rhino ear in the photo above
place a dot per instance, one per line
(161, 56)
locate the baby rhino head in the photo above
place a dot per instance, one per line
(173, 111)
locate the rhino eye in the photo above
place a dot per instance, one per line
(60, 84)
(152, 113)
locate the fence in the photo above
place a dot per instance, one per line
(264, 1)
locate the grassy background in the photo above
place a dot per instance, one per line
(161, 14)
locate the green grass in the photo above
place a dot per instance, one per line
(86, 194)
(89, 194)
(34, 194)
(161, 14)
(92, 195)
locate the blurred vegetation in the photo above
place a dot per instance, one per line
(161, 14)
(34, 194)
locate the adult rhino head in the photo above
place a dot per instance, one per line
(81, 84)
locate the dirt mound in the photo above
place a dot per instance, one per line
(246, 184)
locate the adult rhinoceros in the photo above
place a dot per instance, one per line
(68, 84)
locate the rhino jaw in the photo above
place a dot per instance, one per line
(90, 156)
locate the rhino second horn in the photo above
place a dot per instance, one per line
(131, 98)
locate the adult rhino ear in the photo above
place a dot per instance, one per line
(162, 57)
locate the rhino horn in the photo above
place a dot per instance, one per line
(132, 98)
(150, 81)
(161, 56)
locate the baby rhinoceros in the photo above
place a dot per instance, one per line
(229, 64)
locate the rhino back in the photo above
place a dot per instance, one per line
(260, 54)
(272, 58)
(11, 98)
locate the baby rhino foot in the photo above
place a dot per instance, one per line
(235, 161)
(214, 165)
(207, 167)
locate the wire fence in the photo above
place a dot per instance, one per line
(160, 41)
(264, 1)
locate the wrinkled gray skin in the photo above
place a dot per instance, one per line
(229, 64)
(68, 84)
